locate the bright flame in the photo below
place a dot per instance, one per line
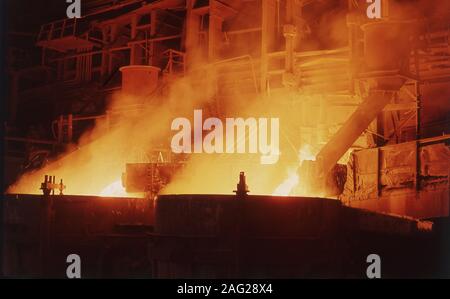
(114, 190)
(288, 185)
(306, 153)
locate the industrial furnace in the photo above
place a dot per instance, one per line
(127, 127)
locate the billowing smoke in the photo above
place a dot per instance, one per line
(101, 155)
(100, 158)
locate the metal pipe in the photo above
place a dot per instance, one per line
(251, 60)
(352, 129)
(18, 139)
(69, 128)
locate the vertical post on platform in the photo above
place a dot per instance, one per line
(154, 24)
(192, 33)
(267, 38)
(45, 230)
(289, 34)
(60, 129)
(69, 128)
(215, 30)
(104, 66)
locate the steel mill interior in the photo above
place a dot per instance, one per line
(364, 140)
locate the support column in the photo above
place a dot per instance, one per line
(43, 55)
(152, 50)
(215, 31)
(268, 34)
(192, 34)
(14, 96)
(60, 69)
(105, 56)
(69, 128)
(114, 28)
(113, 32)
(289, 32)
(136, 51)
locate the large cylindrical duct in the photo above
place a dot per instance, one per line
(386, 48)
(352, 129)
(139, 81)
(386, 45)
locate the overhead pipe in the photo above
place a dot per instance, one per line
(383, 72)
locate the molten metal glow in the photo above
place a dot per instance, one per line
(306, 153)
(102, 154)
(114, 190)
(130, 133)
(288, 185)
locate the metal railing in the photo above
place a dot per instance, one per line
(57, 30)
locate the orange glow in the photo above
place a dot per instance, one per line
(100, 158)
(288, 185)
(115, 190)
(101, 155)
